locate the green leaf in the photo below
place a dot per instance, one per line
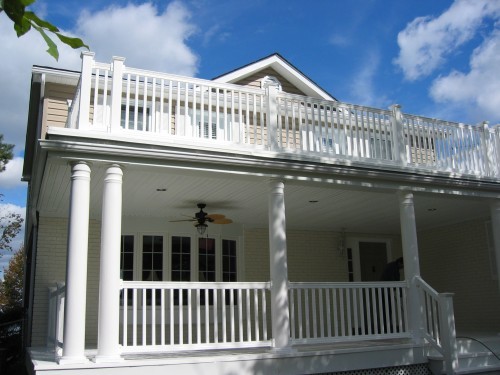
(52, 50)
(46, 25)
(22, 27)
(72, 42)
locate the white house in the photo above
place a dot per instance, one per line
(158, 240)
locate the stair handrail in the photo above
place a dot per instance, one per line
(439, 323)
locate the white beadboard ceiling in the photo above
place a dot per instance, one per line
(244, 199)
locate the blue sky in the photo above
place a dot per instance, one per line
(435, 58)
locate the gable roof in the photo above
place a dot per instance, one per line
(281, 66)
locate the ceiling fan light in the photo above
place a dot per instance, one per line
(201, 228)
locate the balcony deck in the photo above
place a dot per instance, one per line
(141, 105)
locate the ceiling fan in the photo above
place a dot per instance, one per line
(201, 218)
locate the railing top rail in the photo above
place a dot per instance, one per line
(424, 119)
(349, 285)
(194, 285)
(197, 81)
(100, 65)
(333, 103)
(422, 284)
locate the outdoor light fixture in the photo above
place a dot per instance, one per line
(201, 228)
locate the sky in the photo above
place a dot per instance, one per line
(438, 59)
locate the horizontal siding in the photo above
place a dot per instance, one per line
(254, 80)
(55, 105)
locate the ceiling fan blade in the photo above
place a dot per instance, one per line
(215, 216)
(177, 221)
(222, 221)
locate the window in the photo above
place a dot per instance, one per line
(152, 258)
(229, 264)
(205, 132)
(127, 258)
(206, 259)
(181, 258)
(136, 119)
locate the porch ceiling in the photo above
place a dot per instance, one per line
(244, 199)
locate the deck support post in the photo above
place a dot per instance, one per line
(76, 266)
(108, 349)
(279, 266)
(495, 227)
(411, 261)
(272, 87)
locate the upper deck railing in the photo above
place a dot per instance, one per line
(118, 99)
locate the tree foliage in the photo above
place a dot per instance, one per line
(24, 20)
(5, 153)
(11, 289)
(10, 222)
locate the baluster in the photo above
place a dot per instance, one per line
(299, 313)
(249, 321)
(328, 313)
(207, 315)
(216, 315)
(134, 317)
(314, 312)
(125, 317)
(264, 315)
(321, 314)
(162, 315)
(153, 316)
(190, 316)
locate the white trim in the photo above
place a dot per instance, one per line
(284, 69)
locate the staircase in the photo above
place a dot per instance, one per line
(477, 354)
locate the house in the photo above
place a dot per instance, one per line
(158, 240)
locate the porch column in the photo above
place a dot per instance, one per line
(109, 277)
(279, 265)
(411, 260)
(76, 265)
(495, 227)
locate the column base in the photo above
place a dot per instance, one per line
(72, 360)
(287, 350)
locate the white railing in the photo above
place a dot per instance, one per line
(55, 323)
(116, 98)
(329, 312)
(439, 323)
(159, 316)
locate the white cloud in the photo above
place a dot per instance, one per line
(479, 89)
(362, 86)
(146, 38)
(17, 58)
(339, 40)
(11, 177)
(426, 42)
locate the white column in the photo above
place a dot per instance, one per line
(272, 87)
(495, 227)
(108, 349)
(76, 265)
(411, 260)
(279, 266)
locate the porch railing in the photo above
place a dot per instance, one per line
(55, 324)
(439, 323)
(170, 316)
(329, 312)
(115, 98)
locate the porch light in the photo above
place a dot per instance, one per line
(201, 228)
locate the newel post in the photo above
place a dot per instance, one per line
(279, 266)
(85, 89)
(116, 93)
(448, 333)
(272, 87)
(398, 137)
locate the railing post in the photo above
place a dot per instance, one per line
(85, 89)
(116, 93)
(490, 167)
(52, 318)
(448, 334)
(399, 147)
(272, 87)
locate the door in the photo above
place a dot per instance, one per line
(372, 259)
